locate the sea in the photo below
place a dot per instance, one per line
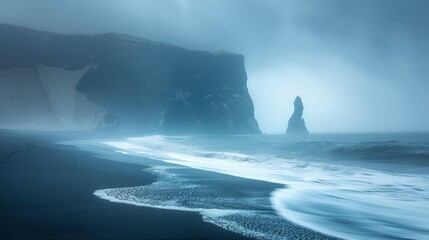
(316, 186)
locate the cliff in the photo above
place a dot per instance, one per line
(296, 124)
(50, 80)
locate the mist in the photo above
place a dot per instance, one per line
(359, 66)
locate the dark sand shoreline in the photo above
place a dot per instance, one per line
(47, 193)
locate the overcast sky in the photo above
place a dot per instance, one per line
(358, 65)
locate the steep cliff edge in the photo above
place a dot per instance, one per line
(125, 82)
(296, 124)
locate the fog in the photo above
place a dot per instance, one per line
(359, 66)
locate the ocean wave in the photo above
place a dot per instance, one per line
(391, 150)
(331, 147)
(381, 150)
(350, 201)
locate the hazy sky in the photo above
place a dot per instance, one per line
(359, 65)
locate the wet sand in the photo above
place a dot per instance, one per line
(47, 193)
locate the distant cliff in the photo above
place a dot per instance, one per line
(111, 80)
(296, 124)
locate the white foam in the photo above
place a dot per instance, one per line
(347, 202)
(249, 216)
(104, 194)
(234, 164)
(318, 195)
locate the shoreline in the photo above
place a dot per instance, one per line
(244, 205)
(48, 193)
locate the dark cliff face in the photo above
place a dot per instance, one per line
(296, 124)
(142, 85)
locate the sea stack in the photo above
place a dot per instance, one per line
(296, 124)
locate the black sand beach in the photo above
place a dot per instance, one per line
(47, 193)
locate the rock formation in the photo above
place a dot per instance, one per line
(296, 124)
(105, 80)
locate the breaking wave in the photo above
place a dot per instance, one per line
(325, 184)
